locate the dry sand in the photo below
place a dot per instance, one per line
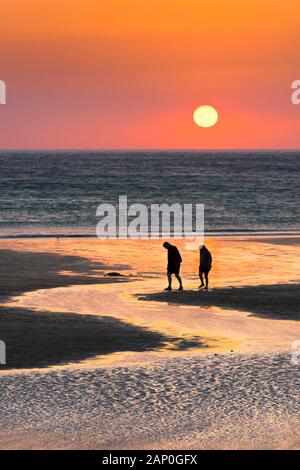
(216, 402)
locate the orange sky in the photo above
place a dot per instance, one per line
(129, 73)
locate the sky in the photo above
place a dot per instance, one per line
(115, 74)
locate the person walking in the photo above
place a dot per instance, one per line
(174, 261)
(205, 266)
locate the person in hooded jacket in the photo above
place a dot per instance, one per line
(205, 266)
(174, 261)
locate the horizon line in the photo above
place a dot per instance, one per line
(154, 149)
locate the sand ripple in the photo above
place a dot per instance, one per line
(237, 401)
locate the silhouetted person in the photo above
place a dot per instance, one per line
(205, 265)
(174, 260)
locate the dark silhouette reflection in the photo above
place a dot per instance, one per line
(279, 301)
(29, 271)
(40, 339)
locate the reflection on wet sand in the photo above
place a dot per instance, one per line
(277, 302)
(69, 278)
(38, 339)
(151, 374)
(210, 327)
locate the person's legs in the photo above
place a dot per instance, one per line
(201, 279)
(206, 280)
(169, 282)
(179, 280)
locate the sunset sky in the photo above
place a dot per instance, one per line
(130, 73)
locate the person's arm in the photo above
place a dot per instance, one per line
(210, 260)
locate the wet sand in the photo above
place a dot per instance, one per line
(277, 302)
(24, 271)
(276, 240)
(40, 338)
(151, 373)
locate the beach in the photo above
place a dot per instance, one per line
(114, 362)
(149, 231)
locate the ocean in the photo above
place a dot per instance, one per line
(49, 193)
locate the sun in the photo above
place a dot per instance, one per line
(206, 116)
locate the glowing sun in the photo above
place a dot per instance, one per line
(206, 116)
